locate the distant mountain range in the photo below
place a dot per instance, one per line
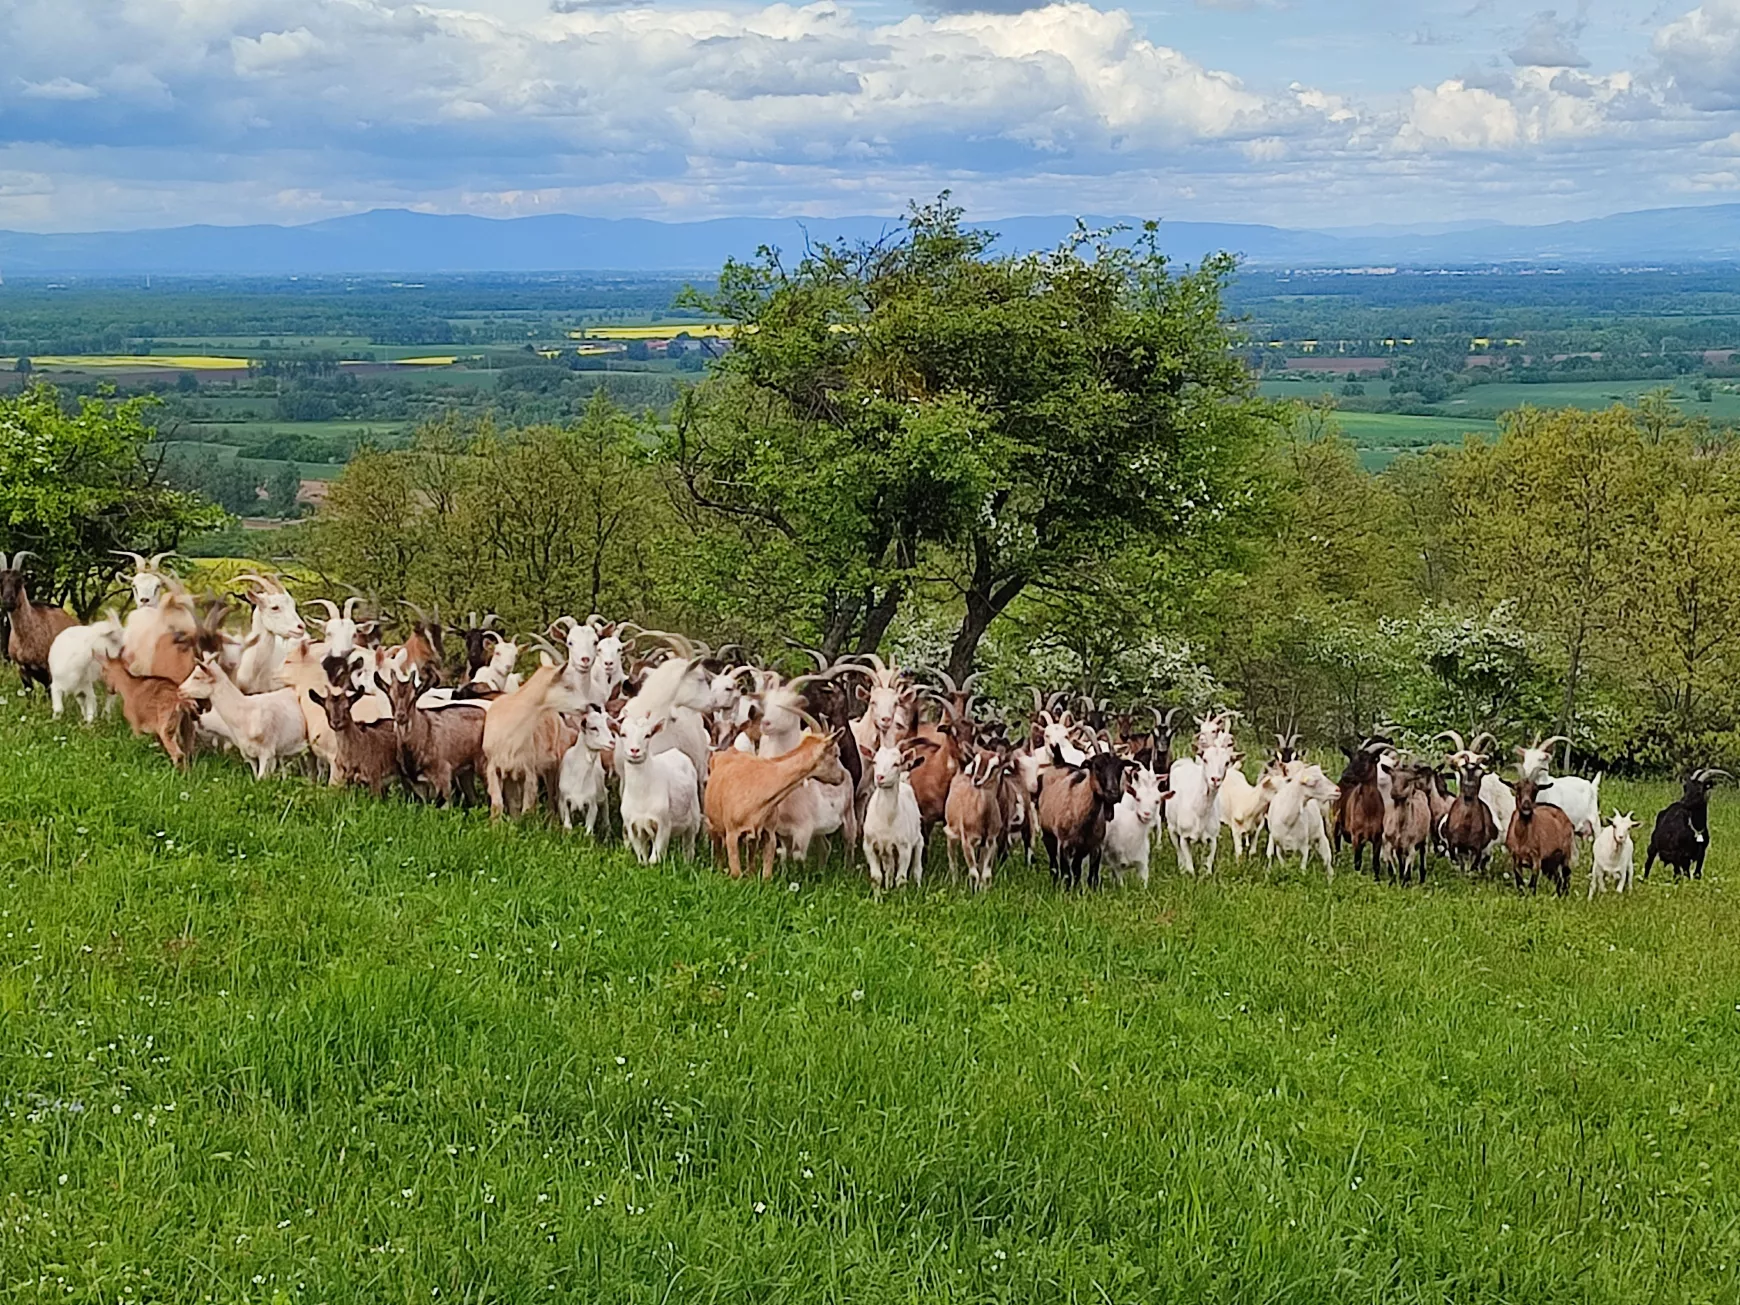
(389, 241)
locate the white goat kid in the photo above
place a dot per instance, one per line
(581, 784)
(266, 728)
(1129, 840)
(1193, 810)
(1296, 816)
(1615, 855)
(660, 798)
(893, 830)
(75, 662)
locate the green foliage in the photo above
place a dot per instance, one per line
(532, 523)
(75, 485)
(282, 488)
(921, 406)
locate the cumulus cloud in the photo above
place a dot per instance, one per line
(1700, 53)
(399, 91)
(131, 110)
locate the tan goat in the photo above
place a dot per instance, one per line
(155, 706)
(744, 793)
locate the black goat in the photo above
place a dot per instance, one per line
(1681, 837)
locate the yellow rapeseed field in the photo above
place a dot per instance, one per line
(174, 362)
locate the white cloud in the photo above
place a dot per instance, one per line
(1550, 42)
(58, 88)
(1700, 52)
(165, 110)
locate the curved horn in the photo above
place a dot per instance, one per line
(139, 562)
(350, 605)
(416, 611)
(1038, 701)
(539, 641)
(1454, 737)
(812, 653)
(265, 582)
(971, 680)
(489, 622)
(1546, 744)
(811, 723)
(18, 558)
(330, 606)
(157, 558)
(1052, 701)
(557, 624)
(1705, 776)
(1474, 743)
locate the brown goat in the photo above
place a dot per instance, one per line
(436, 748)
(368, 754)
(975, 821)
(1469, 831)
(1540, 839)
(1075, 805)
(941, 751)
(744, 793)
(155, 706)
(34, 625)
(1408, 821)
(1359, 810)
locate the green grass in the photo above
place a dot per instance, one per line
(267, 1043)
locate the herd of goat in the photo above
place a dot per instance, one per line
(694, 742)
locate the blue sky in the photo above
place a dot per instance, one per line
(121, 113)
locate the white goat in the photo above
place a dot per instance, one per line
(497, 674)
(275, 629)
(893, 831)
(75, 662)
(1129, 840)
(1193, 810)
(581, 786)
(265, 727)
(148, 581)
(660, 799)
(340, 630)
(1242, 808)
(1578, 798)
(1615, 856)
(1295, 815)
(890, 705)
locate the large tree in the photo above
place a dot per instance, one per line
(78, 483)
(926, 409)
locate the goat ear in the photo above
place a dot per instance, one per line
(655, 729)
(316, 699)
(863, 693)
(914, 760)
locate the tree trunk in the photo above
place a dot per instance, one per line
(881, 617)
(985, 603)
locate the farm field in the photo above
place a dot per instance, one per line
(264, 1042)
(230, 452)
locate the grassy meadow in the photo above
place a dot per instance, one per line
(269, 1043)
